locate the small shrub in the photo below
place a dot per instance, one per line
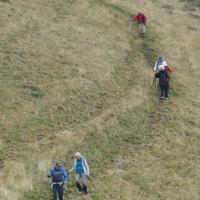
(33, 91)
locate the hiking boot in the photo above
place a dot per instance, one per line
(79, 192)
(162, 98)
(85, 189)
(79, 188)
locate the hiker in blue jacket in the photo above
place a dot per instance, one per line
(58, 179)
(81, 169)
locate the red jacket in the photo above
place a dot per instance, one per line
(141, 18)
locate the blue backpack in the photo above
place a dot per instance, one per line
(57, 175)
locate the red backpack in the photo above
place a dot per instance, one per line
(169, 70)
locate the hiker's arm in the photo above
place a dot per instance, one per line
(167, 75)
(65, 175)
(73, 167)
(71, 170)
(135, 18)
(165, 63)
(145, 19)
(155, 67)
(87, 168)
(49, 175)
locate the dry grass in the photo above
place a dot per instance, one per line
(73, 79)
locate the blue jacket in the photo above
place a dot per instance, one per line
(55, 169)
(84, 165)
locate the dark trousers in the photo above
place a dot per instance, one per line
(164, 89)
(57, 188)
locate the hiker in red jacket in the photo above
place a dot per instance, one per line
(141, 19)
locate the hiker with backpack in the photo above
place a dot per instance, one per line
(163, 72)
(141, 20)
(81, 168)
(163, 82)
(58, 179)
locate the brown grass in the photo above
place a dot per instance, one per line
(66, 84)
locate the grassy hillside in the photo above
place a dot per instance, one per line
(73, 79)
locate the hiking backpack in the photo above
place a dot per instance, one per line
(169, 70)
(57, 176)
(143, 17)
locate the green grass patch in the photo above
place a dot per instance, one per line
(33, 91)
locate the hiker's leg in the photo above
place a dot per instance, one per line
(84, 181)
(54, 192)
(162, 92)
(85, 189)
(143, 28)
(166, 91)
(60, 192)
(78, 185)
(140, 28)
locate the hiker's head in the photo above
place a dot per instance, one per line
(139, 11)
(78, 156)
(160, 57)
(58, 164)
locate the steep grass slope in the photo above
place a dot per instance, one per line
(72, 78)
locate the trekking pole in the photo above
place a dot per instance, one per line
(67, 192)
(130, 25)
(51, 184)
(66, 188)
(91, 181)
